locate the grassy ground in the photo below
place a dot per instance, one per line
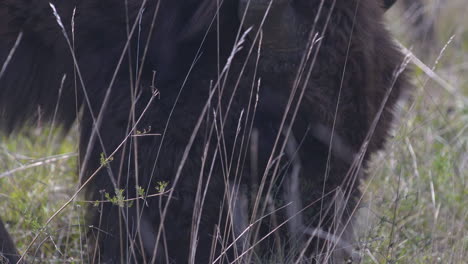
(414, 210)
(418, 191)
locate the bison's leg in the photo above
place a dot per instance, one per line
(8, 250)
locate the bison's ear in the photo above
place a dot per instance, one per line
(388, 3)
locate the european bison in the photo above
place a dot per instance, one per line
(254, 119)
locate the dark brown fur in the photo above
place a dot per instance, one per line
(354, 67)
(8, 250)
